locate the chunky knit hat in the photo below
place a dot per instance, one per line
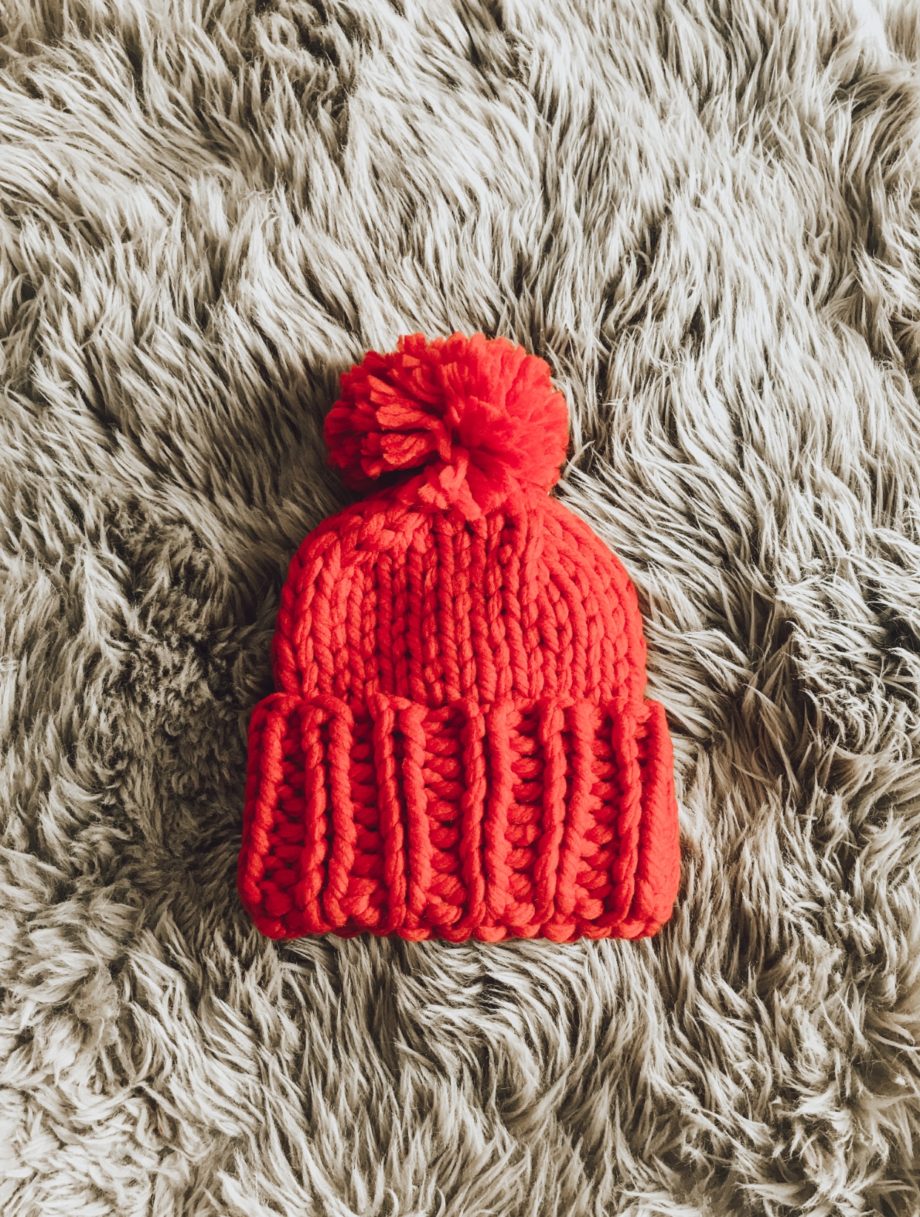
(460, 745)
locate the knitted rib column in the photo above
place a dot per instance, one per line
(459, 745)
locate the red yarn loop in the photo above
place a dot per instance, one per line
(475, 418)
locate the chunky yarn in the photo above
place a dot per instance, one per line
(459, 745)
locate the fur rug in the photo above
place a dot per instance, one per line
(705, 215)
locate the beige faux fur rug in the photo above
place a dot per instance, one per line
(706, 216)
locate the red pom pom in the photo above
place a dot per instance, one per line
(478, 417)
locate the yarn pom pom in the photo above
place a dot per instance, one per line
(474, 417)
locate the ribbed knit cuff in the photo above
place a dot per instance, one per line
(519, 819)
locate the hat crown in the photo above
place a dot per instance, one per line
(429, 605)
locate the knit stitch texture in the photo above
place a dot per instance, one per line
(459, 745)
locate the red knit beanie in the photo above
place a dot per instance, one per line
(460, 745)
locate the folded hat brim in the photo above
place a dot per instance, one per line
(518, 819)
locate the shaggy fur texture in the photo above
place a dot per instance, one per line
(705, 215)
